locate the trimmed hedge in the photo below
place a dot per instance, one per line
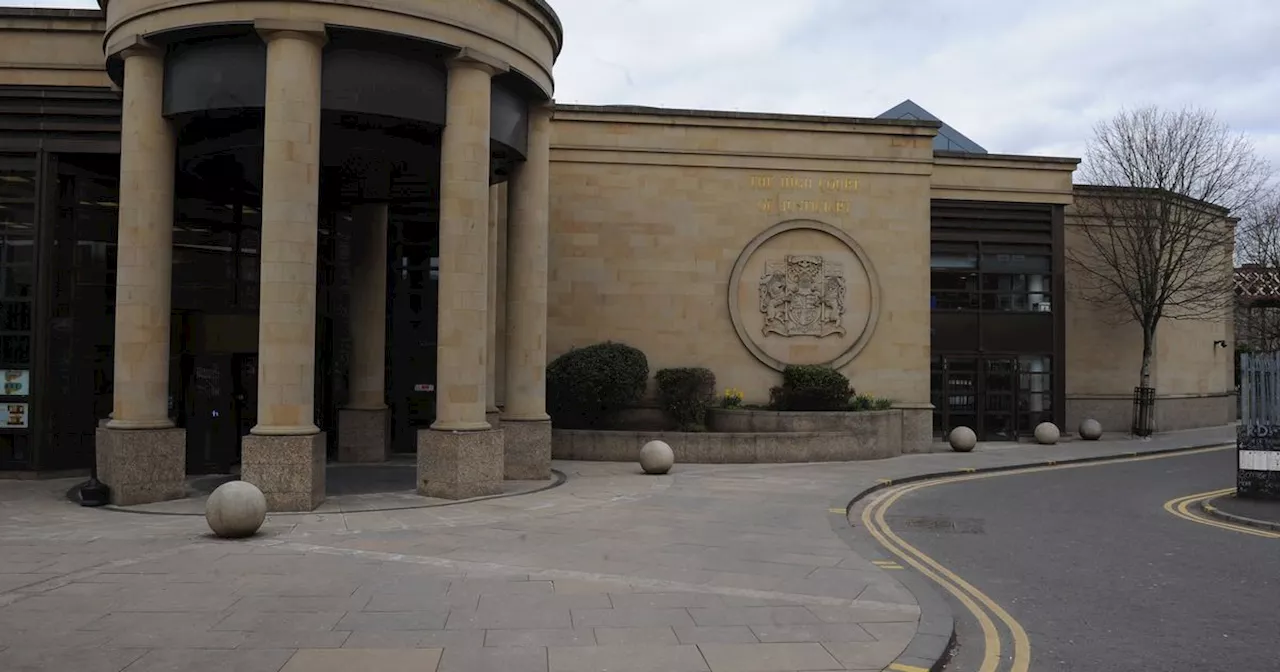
(811, 388)
(586, 385)
(686, 394)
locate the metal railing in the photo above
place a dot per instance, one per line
(1144, 411)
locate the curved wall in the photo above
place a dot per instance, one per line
(224, 68)
(526, 34)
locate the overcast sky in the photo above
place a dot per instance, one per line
(1016, 76)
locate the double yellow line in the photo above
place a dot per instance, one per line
(984, 609)
(981, 606)
(1182, 508)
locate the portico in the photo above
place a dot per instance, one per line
(480, 145)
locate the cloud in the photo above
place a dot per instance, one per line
(1017, 76)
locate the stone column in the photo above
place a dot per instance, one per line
(284, 454)
(461, 455)
(491, 309)
(525, 421)
(363, 425)
(141, 456)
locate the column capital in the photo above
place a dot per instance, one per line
(312, 31)
(478, 60)
(134, 45)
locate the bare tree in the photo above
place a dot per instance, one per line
(1160, 237)
(1258, 250)
(1258, 235)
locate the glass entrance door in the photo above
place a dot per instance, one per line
(999, 397)
(414, 262)
(999, 390)
(80, 327)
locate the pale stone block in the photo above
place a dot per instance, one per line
(368, 307)
(291, 163)
(917, 427)
(147, 146)
(527, 264)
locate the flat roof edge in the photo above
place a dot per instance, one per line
(51, 13)
(645, 110)
(1029, 158)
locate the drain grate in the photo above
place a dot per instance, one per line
(941, 524)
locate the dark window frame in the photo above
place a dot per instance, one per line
(980, 298)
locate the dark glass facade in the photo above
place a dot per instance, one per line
(58, 230)
(996, 296)
(19, 194)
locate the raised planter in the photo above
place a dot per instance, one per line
(753, 420)
(871, 435)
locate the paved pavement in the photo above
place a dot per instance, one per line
(713, 567)
(1263, 513)
(1099, 575)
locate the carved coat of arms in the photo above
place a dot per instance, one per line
(803, 296)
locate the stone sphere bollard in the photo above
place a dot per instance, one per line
(962, 439)
(1047, 433)
(236, 509)
(656, 457)
(1090, 429)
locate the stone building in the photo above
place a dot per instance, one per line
(275, 234)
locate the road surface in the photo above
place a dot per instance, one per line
(1088, 562)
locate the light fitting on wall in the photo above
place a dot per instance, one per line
(1220, 343)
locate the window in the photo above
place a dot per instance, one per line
(1035, 391)
(17, 261)
(954, 278)
(1007, 292)
(1001, 280)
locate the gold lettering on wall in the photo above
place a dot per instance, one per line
(795, 182)
(798, 205)
(784, 206)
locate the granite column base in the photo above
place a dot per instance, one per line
(363, 435)
(289, 470)
(459, 465)
(527, 450)
(142, 466)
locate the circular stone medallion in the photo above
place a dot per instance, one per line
(804, 292)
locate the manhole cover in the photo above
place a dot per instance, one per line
(938, 524)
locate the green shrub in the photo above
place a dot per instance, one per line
(866, 402)
(811, 388)
(686, 395)
(586, 385)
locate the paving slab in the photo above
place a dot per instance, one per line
(345, 660)
(707, 568)
(768, 657)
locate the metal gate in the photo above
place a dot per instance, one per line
(1258, 435)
